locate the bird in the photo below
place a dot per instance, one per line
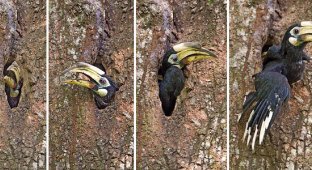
(282, 66)
(101, 85)
(171, 78)
(13, 83)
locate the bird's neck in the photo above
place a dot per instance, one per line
(178, 66)
(293, 54)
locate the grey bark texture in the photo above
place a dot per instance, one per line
(194, 137)
(22, 129)
(81, 136)
(253, 25)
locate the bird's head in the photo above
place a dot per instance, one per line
(298, 35)
(102, 86)
(185, 53)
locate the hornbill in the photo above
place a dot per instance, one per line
(98, 82)
(13, 83)
(282, 66)
(171, 77)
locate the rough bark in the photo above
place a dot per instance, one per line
(81, 136)
(195, 135)
(22, 129)
(255, 24)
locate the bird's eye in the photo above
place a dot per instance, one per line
(103, 81)
(174, 58)
(296, 31)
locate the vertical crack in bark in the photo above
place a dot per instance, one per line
(161, 41)
(12, 34)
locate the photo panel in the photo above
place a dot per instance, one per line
(91, 84)
(181, 84)
(270, 84)
(22, 84)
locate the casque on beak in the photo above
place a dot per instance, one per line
(191, 52)
(305, 33)
(93, 73)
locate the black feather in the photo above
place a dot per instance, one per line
(269, 86)
(170, 87)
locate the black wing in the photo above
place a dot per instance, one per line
(271, 54)
(13, 101)
(272, 91)
(170, 88)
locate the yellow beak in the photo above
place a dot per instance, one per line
(87, 69)
(95, 75)
(305, 33)
(13, 75)
(9, 81)
(192, 51)
(82, 83)
(193, 55)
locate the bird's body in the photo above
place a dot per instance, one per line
(282, 66)
(172, 78)
(170, 88)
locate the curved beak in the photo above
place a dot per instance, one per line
(12, 76)
(93, 73)
(192, 51)
(305, 33)
(82, 83)
(9, 82)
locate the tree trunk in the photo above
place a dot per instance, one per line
(82, 136)
(255, 24)
(195, 135)
(22, 129)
